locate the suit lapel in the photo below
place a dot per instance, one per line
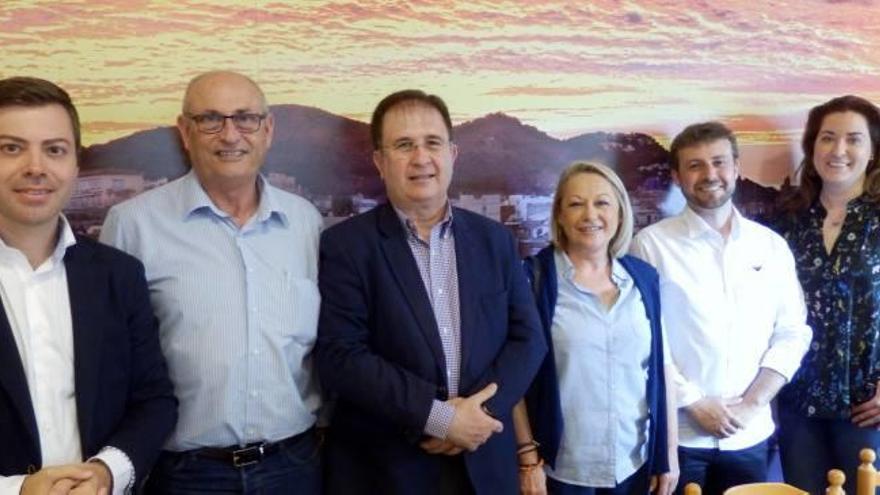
(13, 380)
(402, 264)
(467, 263)
(85, 295)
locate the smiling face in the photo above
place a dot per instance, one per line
(416, 157)
(842, 151)
(707, 174)
(38, 166)
(589, 213)
(229, 157)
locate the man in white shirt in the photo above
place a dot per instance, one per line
(85, 399)
(733, 311)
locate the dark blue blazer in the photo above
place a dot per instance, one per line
(542, 399)
(379, 351)
(123, 395)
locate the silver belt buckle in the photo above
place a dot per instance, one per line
(248, 456)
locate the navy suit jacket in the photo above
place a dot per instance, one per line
(123, 395)
(379, 351)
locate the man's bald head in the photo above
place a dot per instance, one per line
(205, 80)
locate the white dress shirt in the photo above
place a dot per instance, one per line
(37, 305)
(729, 308)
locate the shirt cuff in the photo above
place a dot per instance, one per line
(11, 485)
(439, 419)
(121, 469)
(784, 360)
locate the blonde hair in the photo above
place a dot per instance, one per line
(619, 244)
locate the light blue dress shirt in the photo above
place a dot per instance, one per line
(602, 364)
(237, 308)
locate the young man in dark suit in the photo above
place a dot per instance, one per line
(85, 400)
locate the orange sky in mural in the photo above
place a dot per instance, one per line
(564, 67)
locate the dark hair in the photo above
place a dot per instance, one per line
(405, 96)
(794, 199)
(34, 92)
(701, 133)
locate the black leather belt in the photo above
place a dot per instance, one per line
(247, 455)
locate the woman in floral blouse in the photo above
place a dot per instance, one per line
(831, 408)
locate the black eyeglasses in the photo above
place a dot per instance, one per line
(213, 122)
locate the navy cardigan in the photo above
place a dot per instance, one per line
(542, 398)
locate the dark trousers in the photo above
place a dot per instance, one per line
(351, 468)
(809, 447)
(294, 468)
(454, 479)
(636, 484)
(717, 470)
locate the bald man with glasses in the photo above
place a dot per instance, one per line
(232, 267)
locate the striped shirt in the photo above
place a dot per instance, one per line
(436, 261)
(237, 308)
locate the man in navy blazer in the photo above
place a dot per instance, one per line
(428, 333)
(85, 400)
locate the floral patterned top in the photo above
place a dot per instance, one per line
(842, 293)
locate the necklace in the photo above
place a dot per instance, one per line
(836, 214)
(835, 220)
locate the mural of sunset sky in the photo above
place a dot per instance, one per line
(564, 67)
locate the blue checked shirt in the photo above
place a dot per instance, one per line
(237, 308)
(436, 261)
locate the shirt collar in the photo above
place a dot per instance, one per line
(697, 227)
(66, 238)
(194, 199)
(818, 209)
(619, 276)
(445, 223)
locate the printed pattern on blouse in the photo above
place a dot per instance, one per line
(842, 291)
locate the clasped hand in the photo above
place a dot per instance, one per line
(722, 417)
(867, 414)
(88, 478)
(470, 427)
